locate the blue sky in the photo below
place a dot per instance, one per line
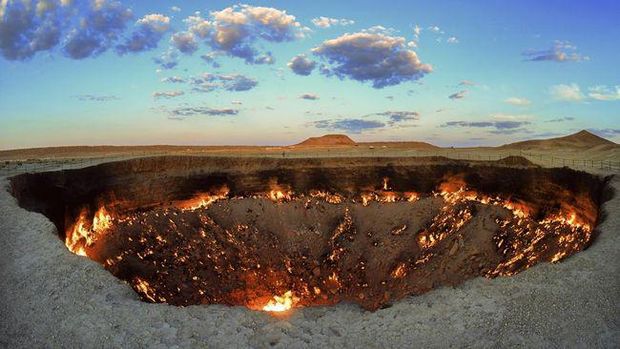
(275, 72)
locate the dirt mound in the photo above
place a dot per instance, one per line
(327, 140)
(516, 161)
(581, 139)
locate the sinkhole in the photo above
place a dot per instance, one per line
(271, 234)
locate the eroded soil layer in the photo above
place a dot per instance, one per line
(271, 234)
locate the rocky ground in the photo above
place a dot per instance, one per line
(52, 298)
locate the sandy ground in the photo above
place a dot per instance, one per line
(52, 298)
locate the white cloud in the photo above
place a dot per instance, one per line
(604, 93)
(326, 22)
(518, 101)
(452, 40)
(563, 92)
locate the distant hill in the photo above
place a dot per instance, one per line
(581, 139)
(327, 140)
(400, 144)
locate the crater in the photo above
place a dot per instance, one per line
(271, 234)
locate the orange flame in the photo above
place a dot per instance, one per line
(85, 232)
(281, 303)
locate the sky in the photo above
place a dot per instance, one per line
(452, 73)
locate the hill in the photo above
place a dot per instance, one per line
(327, 140)
(581, 139)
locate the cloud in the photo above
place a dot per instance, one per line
(184, 112)
(236, 102)
(606, 132)
(184, 42)
(452, 40)
(209, 58)
(326, 22)
(167, 94)
(173, 79)
(167, 60)
(467, 83)
(24, 30)
(561, 51)
(398, 116)
(498, 125)
(435, 29)
(96, 98)
(604, 93)
(371, 56)
(417, 31)
(563, 92)
(301, 65)
(518, 101)
(98, 29)
(149, 31)
(234, 82)
(567, 118)
(235, 30)
(175, 9)
(458, 95)
(309, 96)
(348, 125)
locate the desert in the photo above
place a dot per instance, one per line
(471, 280)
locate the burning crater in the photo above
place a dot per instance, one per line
(273, 234)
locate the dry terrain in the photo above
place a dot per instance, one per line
(53, 298)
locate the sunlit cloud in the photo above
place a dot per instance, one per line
(301, 65)
(371, 56)
(167, 94)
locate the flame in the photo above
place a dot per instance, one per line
(85, 231)
(279, 195)
(145, 289)
(202, 200)
(281, 303)
(331, 198)
(520, 240)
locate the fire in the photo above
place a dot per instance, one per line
(202, 200)
(194, 242)
(278, 193)
(281, 303)
(331, 198)
(85, 231)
